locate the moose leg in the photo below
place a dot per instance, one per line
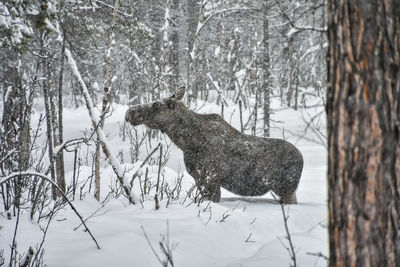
(289, 199)
(208, 184)
(210, 189)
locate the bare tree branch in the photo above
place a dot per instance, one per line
(44, 177)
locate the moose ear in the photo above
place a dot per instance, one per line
(179, 93)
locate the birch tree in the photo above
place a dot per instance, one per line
(107, 93)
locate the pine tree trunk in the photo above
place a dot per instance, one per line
(363, 108)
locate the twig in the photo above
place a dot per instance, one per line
(150, 245)
(28, 258)
(43, 238)
(136, 174)
(8, 155)
(148, 156)
(165, 247)
(44, 177)
(248, 239)
(241, 116)
(235, 207)
(224, 216)
(14, 244)
(91, 215)
(292, 253)
(318, 254)
(158, 181)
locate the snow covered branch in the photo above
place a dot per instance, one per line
(297, 27)
(115, 9)
(119, 171)
(201, 24)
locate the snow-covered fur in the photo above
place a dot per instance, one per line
(216, 154)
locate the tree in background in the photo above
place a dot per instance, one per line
(266, 70)
(363, 107)
(18, 80)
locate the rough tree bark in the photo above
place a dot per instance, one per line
(363, 108)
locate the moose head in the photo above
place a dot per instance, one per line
(152, 113)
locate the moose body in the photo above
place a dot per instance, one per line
(216, 154)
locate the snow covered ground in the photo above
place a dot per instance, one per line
(238, 231)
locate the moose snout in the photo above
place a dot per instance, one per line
(132, 116)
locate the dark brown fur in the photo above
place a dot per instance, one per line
(216, 154)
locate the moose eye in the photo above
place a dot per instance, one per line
(156, 105)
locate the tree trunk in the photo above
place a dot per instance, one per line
(233, 55)
(253, 62)
(50, 133)
(193, 16)
(60, 156)
(266, 71)
(56, 142)
(14, 132)
(175, 46)
(106, 98)
(293, 72)
(221, 63)
(295, 80)
(363, 108)
(166, 46)
(16, 119)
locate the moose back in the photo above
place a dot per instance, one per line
(216, 154)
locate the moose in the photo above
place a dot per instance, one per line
(216, 154)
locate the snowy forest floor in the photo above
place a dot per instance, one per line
(238, 231)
